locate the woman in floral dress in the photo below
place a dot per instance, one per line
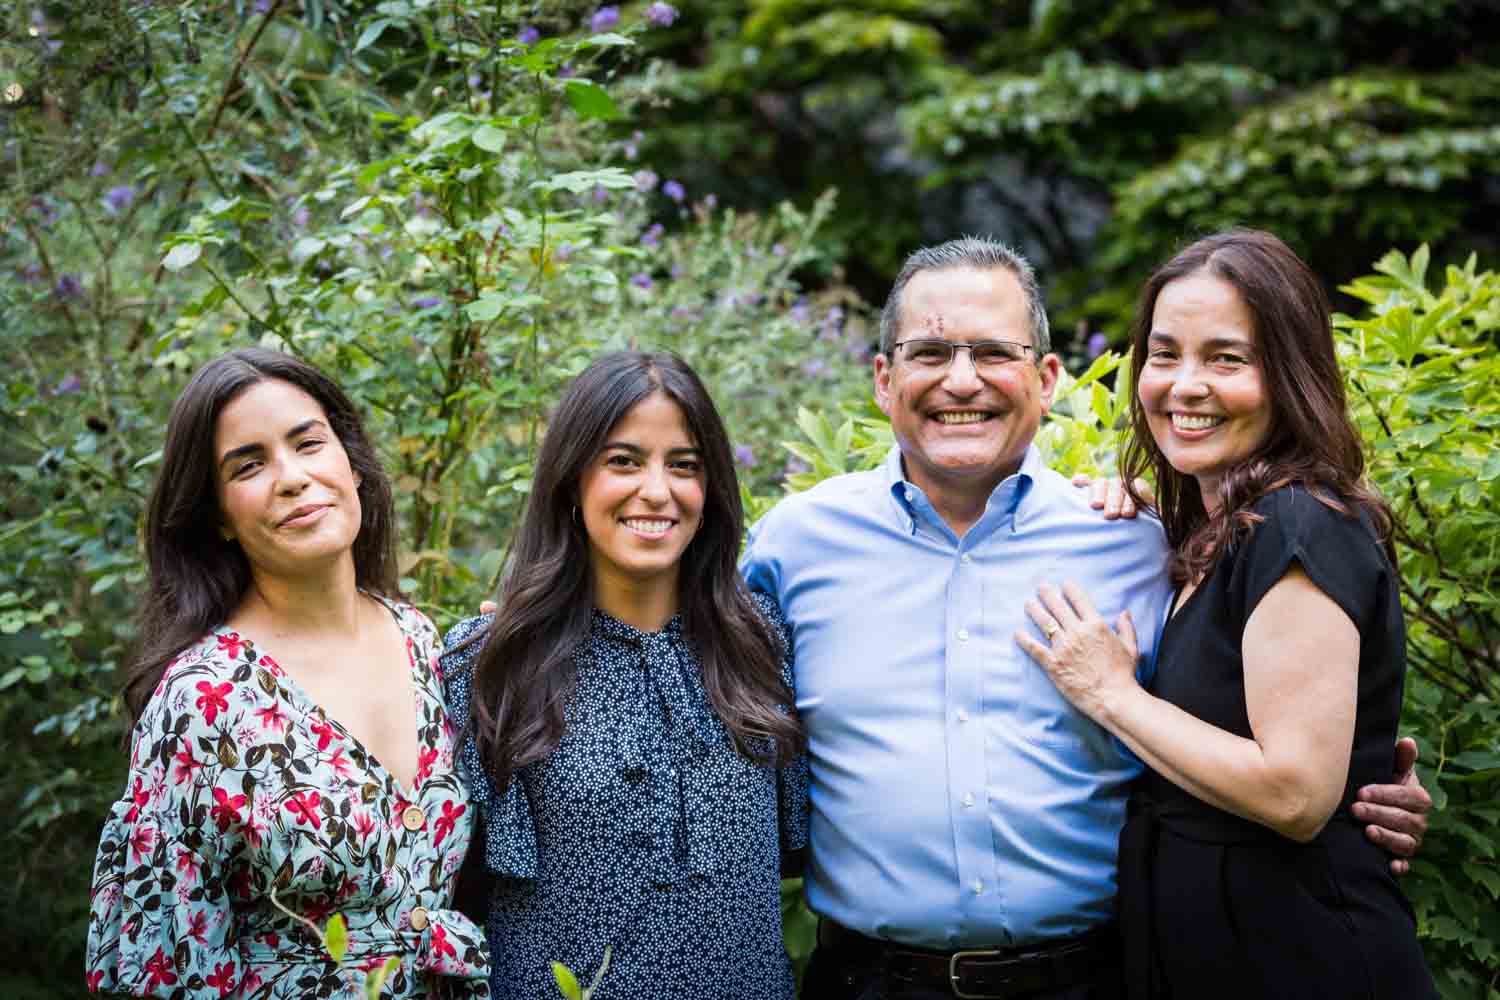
(632, 750)
(291, 756)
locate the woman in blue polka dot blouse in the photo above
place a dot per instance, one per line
(630, 740)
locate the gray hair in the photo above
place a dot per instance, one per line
(975, 252)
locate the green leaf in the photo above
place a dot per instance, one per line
(104, 583)
(567, 983)
(371, 33)
(11, 676)
(181, 256)
(485, 308)
(336, 937)
(376, 980)
(489, 138)
(591, 100)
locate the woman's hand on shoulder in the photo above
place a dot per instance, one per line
(1110, 496)
(1088, 660)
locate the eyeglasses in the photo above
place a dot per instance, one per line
(986, 354)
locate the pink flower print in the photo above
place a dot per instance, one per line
(94, 979)
(185, 765)
(142, 840)
(159, 970)
(305, 808)
(212, 700)
(272, 666)
(197, 927)
(272, 717)
(139, 798)
(223, 978)
(426, 757)
(256, 825)
(363, 822)
(226, 810)
(340, 763)
(187, 866)
(250, 982)
(232, 645)
(324, 730)
(440, 945)
(447, 821)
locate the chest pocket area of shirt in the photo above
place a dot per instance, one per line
(1043, 717)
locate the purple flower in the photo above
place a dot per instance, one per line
(645, 180)
(31, 272)
(799, 311)
(528, 35)
(652, 236)
(661, 14)
(744, 456)
(300, 217)
(833, 323)
(673, 190)
(631, 152)
(565, 71)
(100, 169)
(262, 6)
(816, 368)
(778, 250)
(600, 195)
(677, 272)
(119, 198)
(604, 18)
(1098, 342)
(641, 280)
(795, 467)
(68, 287)
(70, 384)
(427, 302)
(563, 251)
(710, 201)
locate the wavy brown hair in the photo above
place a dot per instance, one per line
(1311, 441)
(524, 672)
(195, 579)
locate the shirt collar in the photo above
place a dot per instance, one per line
(1008, 496)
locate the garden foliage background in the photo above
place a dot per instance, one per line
(453, 206)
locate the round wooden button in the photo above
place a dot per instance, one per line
(412, 818)
(419, 919)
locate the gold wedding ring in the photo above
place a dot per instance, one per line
(1051, 629)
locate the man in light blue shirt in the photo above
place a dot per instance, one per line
(959, 804)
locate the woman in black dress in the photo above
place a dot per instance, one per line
(1277, 684)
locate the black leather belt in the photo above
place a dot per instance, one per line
(983, 973)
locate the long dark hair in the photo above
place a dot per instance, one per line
(524, 673)
(1311, 440)
(195, 579)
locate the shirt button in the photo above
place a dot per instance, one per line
(963, 716)
(978, 886)
(963, 635)
(419, 919)
(968, 800)
(965, 559)
(907, 494)
(412, 818)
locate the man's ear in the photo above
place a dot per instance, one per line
(883, 375)
(1048, 369)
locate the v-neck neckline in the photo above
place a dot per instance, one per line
(309, 706)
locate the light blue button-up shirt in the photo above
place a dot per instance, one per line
(957, 799)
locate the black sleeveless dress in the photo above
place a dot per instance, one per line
(1213, 905)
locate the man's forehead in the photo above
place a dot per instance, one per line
(938, 299)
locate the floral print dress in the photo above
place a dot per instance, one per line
(241, 788)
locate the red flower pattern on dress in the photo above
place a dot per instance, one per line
(272, 717)
(139, 799)
(304, 806)
(223, 978)
(159, 969)
(426, 757)
(226, 810)
(325, 732)
(185, 765)
(142, 840)
(213, 700)
(447, 821)
(440, 944)
(241, 786)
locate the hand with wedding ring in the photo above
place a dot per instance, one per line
(1087, 659)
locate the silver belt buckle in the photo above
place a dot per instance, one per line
(955, 980)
